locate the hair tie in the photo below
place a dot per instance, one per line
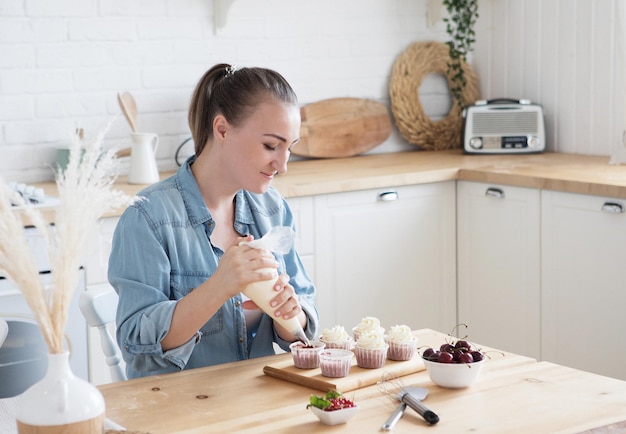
(230, 70)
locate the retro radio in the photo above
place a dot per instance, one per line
(503, 126)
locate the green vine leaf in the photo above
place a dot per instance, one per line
(462, 16)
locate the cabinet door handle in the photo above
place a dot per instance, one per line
(388, 196)
(496, 192)
(613, 207)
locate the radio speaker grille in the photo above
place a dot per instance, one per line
(505, 123)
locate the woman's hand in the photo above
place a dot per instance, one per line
(241, 265)
(285, 303)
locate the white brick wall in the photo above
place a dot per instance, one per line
(62, 63)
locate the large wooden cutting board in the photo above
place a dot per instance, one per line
(358, 377)
(342, 127)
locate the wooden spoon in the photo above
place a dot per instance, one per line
(129, 108)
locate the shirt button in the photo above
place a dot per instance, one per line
(241, 340)
(237, 303)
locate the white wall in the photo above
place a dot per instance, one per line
(563, 54)
(62, 63)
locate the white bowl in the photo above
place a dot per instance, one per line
(335, 417)
(454, 375)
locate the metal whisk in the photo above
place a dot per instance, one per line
(393, 386)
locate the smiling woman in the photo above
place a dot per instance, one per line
(184, 307)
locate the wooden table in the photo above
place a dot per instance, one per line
(513, 394)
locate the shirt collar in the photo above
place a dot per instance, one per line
(194, 202)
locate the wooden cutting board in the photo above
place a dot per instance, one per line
(358, 377)
(342, 127)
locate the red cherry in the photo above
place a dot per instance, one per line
(477, 356)
(446, 348)
(445, 357)
(466, 358)
(428, 352)
(463, 345)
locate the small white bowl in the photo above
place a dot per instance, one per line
(454, 375)
(335, 417)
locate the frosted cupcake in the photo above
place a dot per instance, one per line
(402, 343)
(371, 350)
(336, 337)
(306, 356)
(367, 324)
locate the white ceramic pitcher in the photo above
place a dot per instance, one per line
(143, 167)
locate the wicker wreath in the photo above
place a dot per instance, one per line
(411, 67)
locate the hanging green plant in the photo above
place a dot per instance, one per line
(462, 15)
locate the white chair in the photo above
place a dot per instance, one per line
(4, 331)
(98, 305)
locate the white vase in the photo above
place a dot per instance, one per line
(60, 403)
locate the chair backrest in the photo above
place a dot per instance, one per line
(4, 331)
(98, 304)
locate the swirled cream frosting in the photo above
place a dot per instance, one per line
(369, 323)
(335, 334)
(400, 333)
(371, 340)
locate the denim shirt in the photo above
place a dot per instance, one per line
(161, 251)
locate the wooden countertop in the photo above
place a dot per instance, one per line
(553, 171)
(513, 394)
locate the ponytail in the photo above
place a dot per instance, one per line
(234, 93)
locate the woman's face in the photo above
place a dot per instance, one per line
(260, 147)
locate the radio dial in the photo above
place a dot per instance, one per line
(533, 142)
(476, 143)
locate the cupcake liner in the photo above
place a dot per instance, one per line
(401, 351)
(306, 358)
(371, 358)
(335, 363)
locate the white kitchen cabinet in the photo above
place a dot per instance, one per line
(499, 265)
(583, 282)
(388, 253)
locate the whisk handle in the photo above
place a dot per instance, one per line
(428, 415)
(394, 418)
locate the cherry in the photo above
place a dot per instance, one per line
(477, 356)
(428, 352)
(460, 351)
(466, 358)
(446, 347)
(445, 357)
(463, 345)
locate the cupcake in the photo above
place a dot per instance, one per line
(367, 324)
(402, 343)
(336, 337)
(371, 350)
(306, 356)
(335, 363)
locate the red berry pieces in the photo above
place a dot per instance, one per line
(339, 403)
(333, 400)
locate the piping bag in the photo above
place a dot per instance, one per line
(279, 239)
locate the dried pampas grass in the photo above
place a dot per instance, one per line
(86, 193)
